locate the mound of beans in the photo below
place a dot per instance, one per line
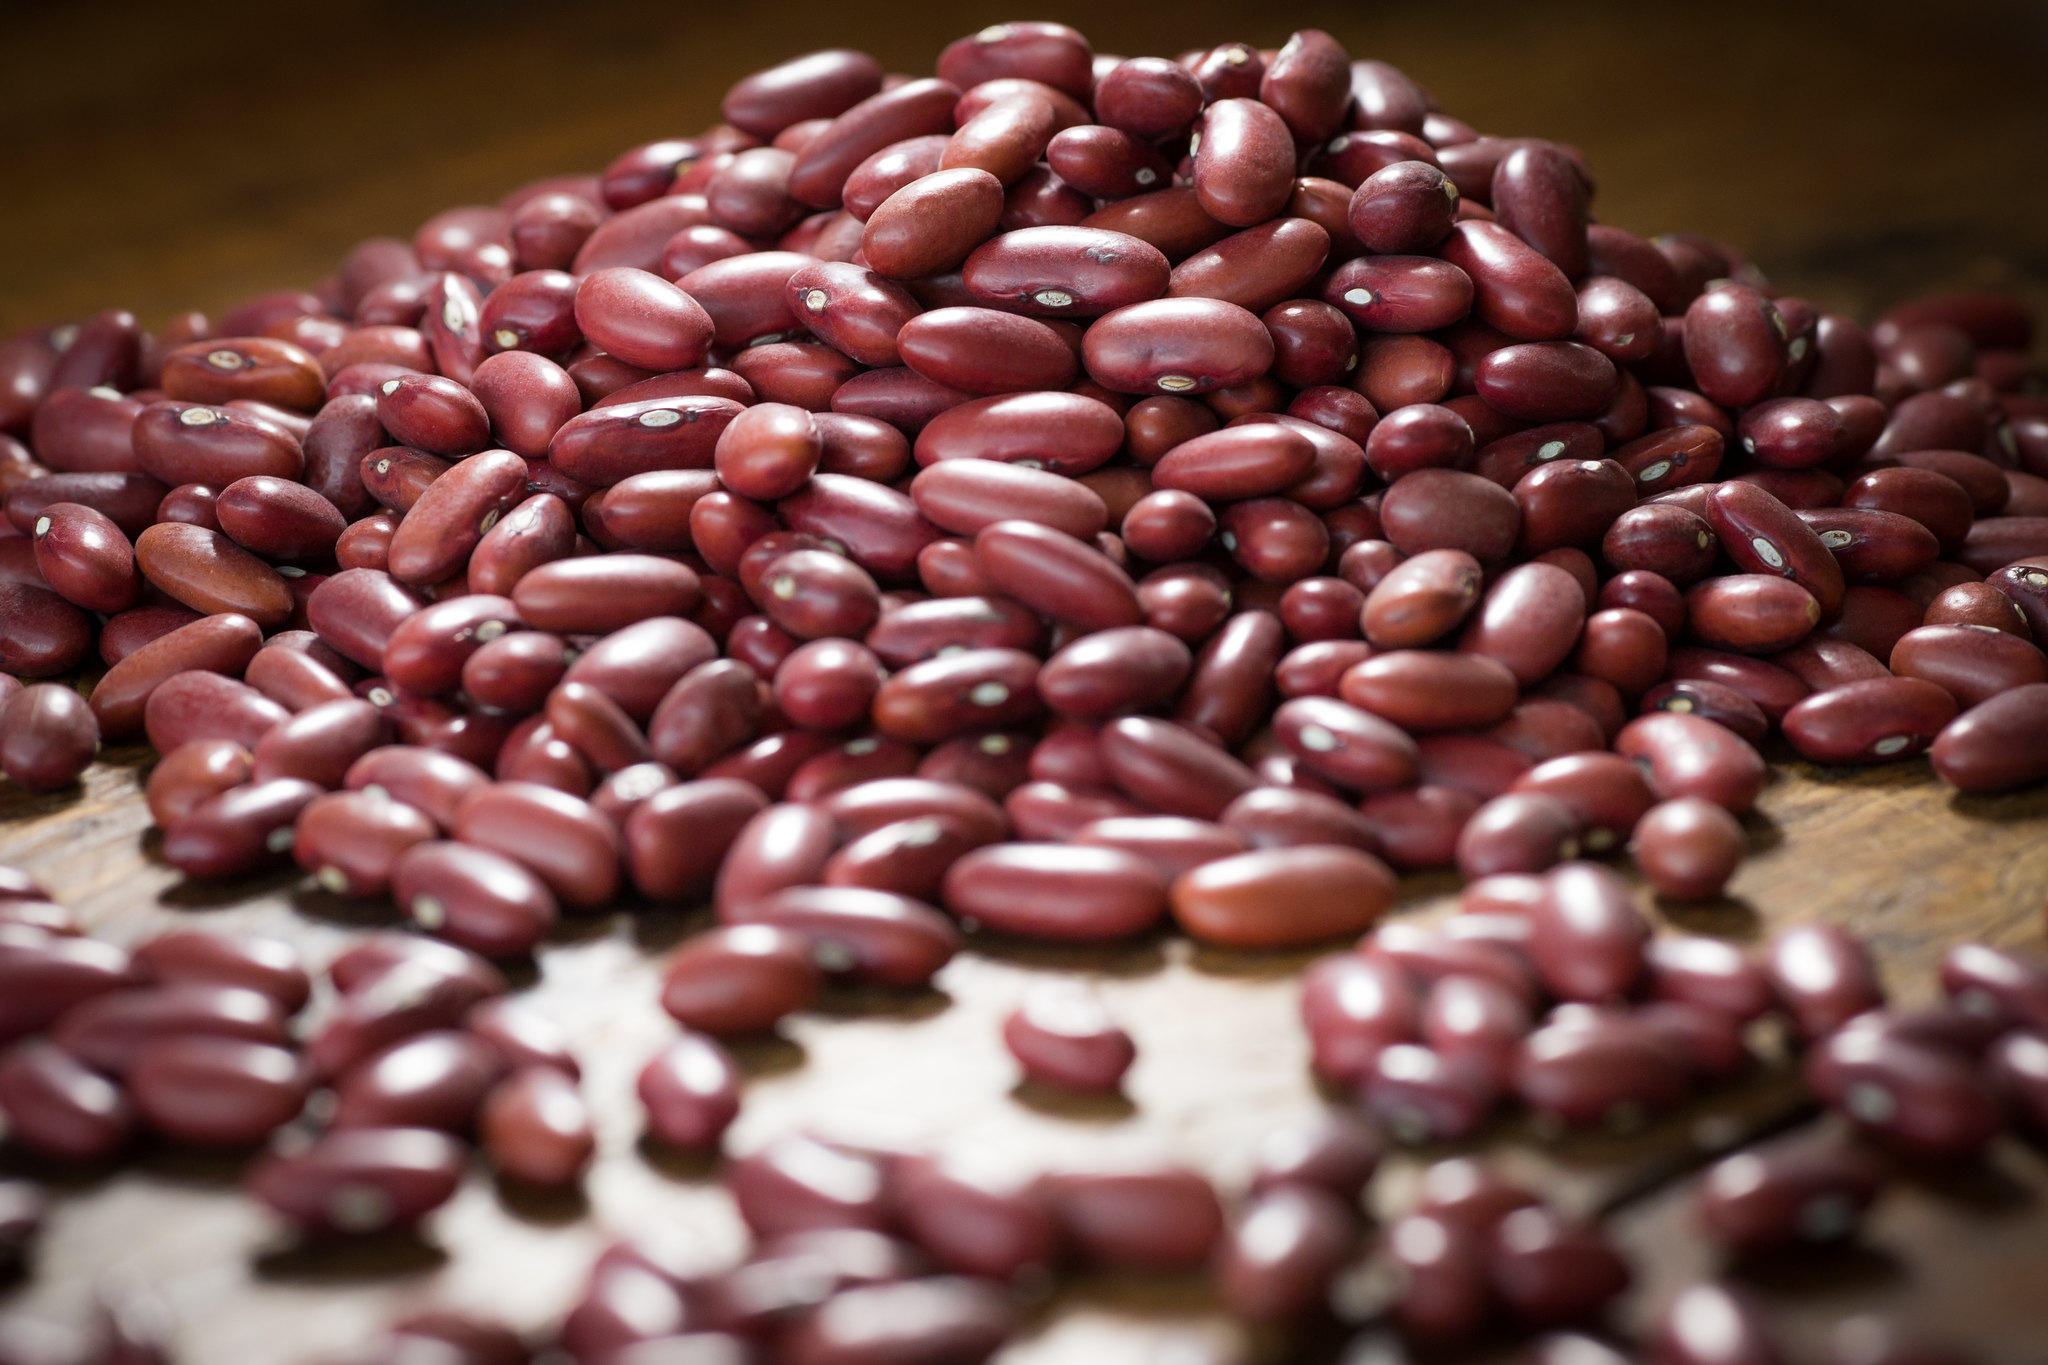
(1057, 498)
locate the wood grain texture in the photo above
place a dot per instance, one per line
(1858, 156)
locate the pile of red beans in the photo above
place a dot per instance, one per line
(1045, 499)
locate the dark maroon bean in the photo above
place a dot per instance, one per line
(193, 773)
(1751, 613)
(1448, 509)
(58, 1107)
(611, 443)
(1617, 319)
(1735, 345)
(47, 974)
(1158, 1219)
(691, 1092)
(1400, 293)
(1514, 288)
(321, 743)
(84, 558)
(527, 397)
(1687, 848)
(1519, 832)
(1256, 268)
(358, 1181)
(1997, 604)
(874, 936)
(432, 1080)
(1971, 664)
(1066, 892)
(1244, 162)
(41, 634)
(1598, 1068)
(1997, 744)
(1551, 1272)
(1690, 756)
(1422, 690)
(351, 840)
(1546, 381)
(215, 1091)
(200, 705)
(1772, 1198)
(474, 898)
(1924, 1098)
(259, 964)
(1177, 346)
(1869, 721)
(739, 979)
(48, 737)
(1763, 536)
(281, 520)
(1237, 462)
(1065, 1038)
(1353, 1009)
(1772, 689)
(983, 351)
(1823, 977)
(210, 573)
(1403, 207)
(559, 837)
(1587, 936)
(1282, 897)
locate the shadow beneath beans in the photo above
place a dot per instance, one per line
(547, 1205)
(2001, 808)
(369, 912)
(1418, 889)
(1237, 964)
(1980, 1187)
(661, 928)
(203, 893)
(575, 928)
(1832, 1267)
(762, 1055)
(1726, 917)
(1138, 957)
(677, 1163)
(339, 1260)
(1760, 833)
(198, 1167)
(1081, 1106)
(874, 1002)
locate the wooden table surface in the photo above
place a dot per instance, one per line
(1859, 152)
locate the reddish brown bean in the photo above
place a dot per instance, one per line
(210, 573)
(1177, 346)
(1971, 664)
(1690, 756)
(1282, 897)
(1425, 690)
(359, 1181)
(1997, 744)
(1687, 848)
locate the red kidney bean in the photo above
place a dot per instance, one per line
(1432, 509)
(1772, 689)
(125, 632)
(1618, 319)
(1237, 462)
(1400, 293)
(1279, 1259)
(281, 520)
(1869, 721)
(1054, 891)
(128, 500)
(84, 557)
(1345, 745)
(1291, 817)
(1540, 195)
(1663, 539)
(215, 1091)
(1171, 768)
(601, 595)
(1546, 381)
(1065, 433)
(1244, 163)
(1551, 1272)
(1514, 288)
(1056, 575)
(189, 443)
(1173, 844)
(1423, 690)
(1528, 621)
(1997, 744)
(874, 936)
(1926, 1099)
(351, 840)
(357, 1181)
(1354, 1008)
(210, 573)
(1065, 1038)
(1282, 897)
(1256, 268)
(1751, 613)
(691, 1092)
(982, 351)
(1606, 792)
(1971, 664)
(1518, 832)
(60, 1108)
(199, 705)
(433, 1080)
(261, 368)
(740, 979)
(1598, 1069)
(321, 743)
(1763, 536)
(1177, 346)
(931, 224)
(816, 85)
(259, 964)
(1058, 271)
(396, 476)
(1445, 1294)
(528, 398)
(570, 846)
(48, 737)
(1987, 603)
(1690, 756)
(1156, 1219)
(1933, 499)
(85, 430)
(1421, 1095)
(1773, 1198)
(1402, 207)
(1823, 977)
(1571, 503)
(1687, 848)
(41, 634)
(1114, 671)
(1735, 345)
(192, 773)
(612, 443)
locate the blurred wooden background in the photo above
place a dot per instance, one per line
(162, 158)
(166, 157)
